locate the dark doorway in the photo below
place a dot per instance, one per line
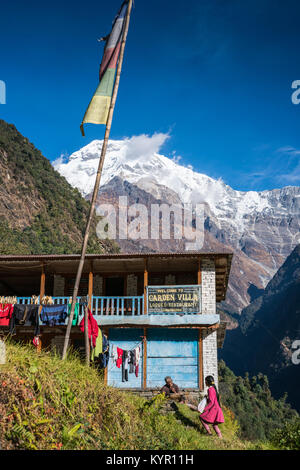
(114, 286)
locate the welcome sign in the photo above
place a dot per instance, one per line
(174, 299)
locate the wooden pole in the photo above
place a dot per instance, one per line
(199, 271)
(106, 332)
(98, 178)
(86, 337)
(90, 289)
(145, 284)
(42, 284)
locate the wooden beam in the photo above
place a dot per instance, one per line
(106, 332)
(90, 288)
(43, 281)
(200, 360)
(199, 277)
(145, 284)
(145, 359)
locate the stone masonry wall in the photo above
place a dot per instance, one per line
(210, 354)
(208, 287)
(58, 286)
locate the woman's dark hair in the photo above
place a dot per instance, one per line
(210, 381)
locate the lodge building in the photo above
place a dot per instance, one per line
(166, 302)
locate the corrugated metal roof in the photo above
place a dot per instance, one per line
(114, 255)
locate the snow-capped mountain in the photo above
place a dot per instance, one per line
(261, 227)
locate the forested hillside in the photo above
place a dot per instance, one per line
(39, 211)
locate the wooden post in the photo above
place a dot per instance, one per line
(145, 359)
(86, 337)
(90, 288)
(42, 284)
(145, 284)
(199, 271)
(200, 360)
(106, 332)
(97, 181)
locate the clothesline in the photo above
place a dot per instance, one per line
(137, 345)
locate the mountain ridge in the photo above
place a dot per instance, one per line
(262, 228)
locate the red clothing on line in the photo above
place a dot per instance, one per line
(120, 357)
(212, 412)
(6, 311)
(93, 328)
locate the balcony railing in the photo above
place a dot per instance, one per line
(104, 306)
(119, 306)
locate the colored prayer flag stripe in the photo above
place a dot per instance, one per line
(98, 109)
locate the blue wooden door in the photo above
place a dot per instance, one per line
(172, 352)
(125, 338)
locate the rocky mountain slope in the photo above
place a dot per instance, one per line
(269, 326)
(39, 211)
(261, 228)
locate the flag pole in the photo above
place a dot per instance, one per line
(97, 182)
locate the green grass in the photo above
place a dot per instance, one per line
(49, 404)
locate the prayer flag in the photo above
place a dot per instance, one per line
(97, 111)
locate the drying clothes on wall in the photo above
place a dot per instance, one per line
(52, 315)
(137, 358)
(125, 360)
(6, 311)
(119, 357)
(93, 328)
(76, 313)
(25, 315)
(129, 360)
(114, 353)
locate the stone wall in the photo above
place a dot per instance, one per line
(191, 396)
(210, 354)
(208, 287)
(58, 286)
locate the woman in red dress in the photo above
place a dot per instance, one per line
(212, 413)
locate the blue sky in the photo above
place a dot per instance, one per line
(214, 74)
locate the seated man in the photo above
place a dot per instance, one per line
(171, 388)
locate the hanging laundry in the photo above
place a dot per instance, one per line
(125, 366)
(137, 353)
(98, 349)
(131, 361)
(104, 357)
(25, 315)
(93, 328)
(76, 313)
(52, 315)
(120, 356)
(114, 353)
(6, 311)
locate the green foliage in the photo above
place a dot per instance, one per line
(46, 403)
(287, 437)
(256, 411)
